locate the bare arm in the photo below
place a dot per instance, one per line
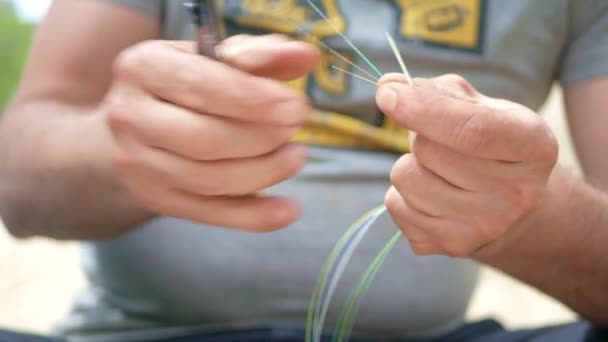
(106, 133)
(481, 182)
(562, 247)
(55, 177)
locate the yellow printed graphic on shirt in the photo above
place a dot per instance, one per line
(289, 16)
(456, 23)
(297, 18)
(338, 130)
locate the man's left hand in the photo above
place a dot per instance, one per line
(478, 164)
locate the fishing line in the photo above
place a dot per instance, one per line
(345, 38)
(337, 54)
(340, 267)
(347, 318)
(395, 49)
(337, 261)
(321, 295)
(362, 78)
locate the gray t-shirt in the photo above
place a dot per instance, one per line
(172, 276)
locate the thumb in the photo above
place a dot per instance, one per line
(395, 78)
(273, 56)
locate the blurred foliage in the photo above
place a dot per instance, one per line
(15, 36)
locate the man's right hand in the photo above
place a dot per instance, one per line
(196, 138)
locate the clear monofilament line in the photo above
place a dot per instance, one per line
(332, 270)
(317, 295)
(345, 38)
(395, 49)
(340, 267)
(355, 75)
(335, 268)
(354, 65)
(347, 317)
(336, 263)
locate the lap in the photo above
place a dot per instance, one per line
(484, 331)
(492, 331)
(7, 336)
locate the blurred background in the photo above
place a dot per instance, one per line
(38, 277)
(17, 22)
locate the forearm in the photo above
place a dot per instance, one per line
(562, 247)
(56, 178)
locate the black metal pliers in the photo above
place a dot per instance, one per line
(208, 23)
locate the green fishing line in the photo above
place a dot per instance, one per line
(322, 279)
(345, 38)
(336, 262)
(313, 320)
(346, 321)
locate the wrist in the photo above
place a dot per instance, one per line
(96, 155)
(530, 229)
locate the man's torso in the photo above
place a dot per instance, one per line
(173, 273)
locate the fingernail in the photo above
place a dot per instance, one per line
(248, 55)
(232, 51)
(387, 99)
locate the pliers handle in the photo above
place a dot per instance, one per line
(208, 23)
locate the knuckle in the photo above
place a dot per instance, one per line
(293, 108)
(117, 117)
(261, 98)
(459, 83)
(129, 62)
(456, 249)
(301, 111)
(422, 149)
(547, 149)
(524, 196)
(273, 141)
(422, 248)
(533, 198)
(488, 229)
(154, 199)
(185, 86)
(392, 201)
(123, 163)
(537, 143)
(404, 172)
(125, 63)
(414, 234)
(201, 143)
(185, 81)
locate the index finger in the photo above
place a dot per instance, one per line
(475, 126)
(172, 72)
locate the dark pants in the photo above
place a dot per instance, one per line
(484, 331)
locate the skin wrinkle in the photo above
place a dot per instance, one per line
(573, 260)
